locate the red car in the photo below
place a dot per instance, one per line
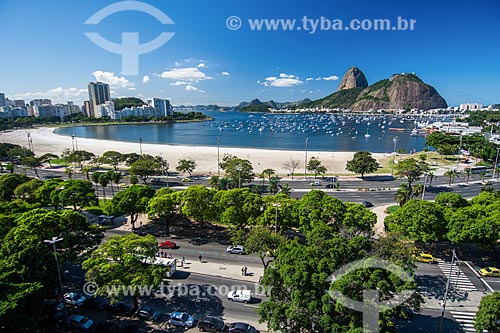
(167, 245)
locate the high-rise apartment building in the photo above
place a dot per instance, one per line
(98, 94)
(2, 99)
(162, 107)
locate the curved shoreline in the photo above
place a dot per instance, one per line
(46, 141)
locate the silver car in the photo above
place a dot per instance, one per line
(235, 249)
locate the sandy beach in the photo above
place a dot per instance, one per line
(46, 141)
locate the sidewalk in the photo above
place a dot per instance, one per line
(227, 271)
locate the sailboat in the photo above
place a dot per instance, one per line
(367, 135)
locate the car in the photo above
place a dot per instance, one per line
(167, 244)
(211, 324)
(181, 319)
(79, 322)
(147, 313)
(123, 185)
(316, 183)
(74, 299)
(490, 271)
(186, 180)
(242, 328)
(244, 296)
(235, 249)
(367, 204)
(96, 302)
(121, 309)
(424, 257)
(54, 311)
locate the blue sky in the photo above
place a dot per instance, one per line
(454, 47)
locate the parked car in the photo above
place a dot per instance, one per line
(367, 204)
(121, 309)
(490, 271)
(242, 328)
(186, 180)
(181, 319)
(211, 324)
(235, 249)
(244, 296)
(74, 299)
(54, 311)
(424, 257)
(79, 322)
(96, 302)
(123, 185)
(147, 313)
(167, 244)
(316, 183)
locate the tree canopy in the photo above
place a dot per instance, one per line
(362, 163)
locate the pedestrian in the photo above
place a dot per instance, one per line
(183, 261)
(243, 270)
(169, 255)
(200, 257)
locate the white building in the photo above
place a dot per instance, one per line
(105, 110)
(471, 107)
(162, 107)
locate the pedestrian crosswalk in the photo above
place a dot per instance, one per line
(465, 320)
(459, 280)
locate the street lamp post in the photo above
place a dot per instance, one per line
(239, 176)
(218, 157)
(305, 161)
(276, 206)
(73, 142)
(140, 145)
(53, 241)
(453, 257)
(425, 183)
(495, 166)
(395, 140)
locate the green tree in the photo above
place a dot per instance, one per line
(358, 221)
(418, 220)
(467, 172)
(112, 158)
(316, 208)
(48, 194)
(8, 183)
(79, 157)
(163, 206)
(274, 185)
(238, 170)
(134, 180)
(238, 207)
(268, 173)
(144, 168)
(488, 314)
(27, 191)
(119, 262)
(451, 174)
(133, 201)
(32, 163)
(104, 181)
(18, 153)
(362, 163)
(411, 169)
(264, 243)
(451, 200)
(314, 165)
(214, 182)
(77, 193)
(68, 172)
(197, 203)
(186, 165)
(47, 158)
(286, 189)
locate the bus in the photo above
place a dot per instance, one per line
(170, 264)
(478, 169)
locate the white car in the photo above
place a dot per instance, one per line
(244, 296)
(235, 249)
(74, 299)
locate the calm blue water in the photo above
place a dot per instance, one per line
(268, 131)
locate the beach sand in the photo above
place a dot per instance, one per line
(46, 141)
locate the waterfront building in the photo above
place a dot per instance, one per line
(2, 99)
(40, 102)
(162, 107)
(98, 94)
(106, 109)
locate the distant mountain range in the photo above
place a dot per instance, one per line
(257, 106)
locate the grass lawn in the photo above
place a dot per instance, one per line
(392, 209)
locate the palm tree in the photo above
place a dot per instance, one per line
(104, 181)
(223, 183)
(95, 179)
(403, 194)
(269, 173)
(214, 182)
(417, 190)
(86, 172)
(468, 172)
(69, 172)
(116, 176)
(451, 174)
(431, 177)
(274, 185)
(286, 189)
(134, 180)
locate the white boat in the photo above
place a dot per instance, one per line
(367, 135)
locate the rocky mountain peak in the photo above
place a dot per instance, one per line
(353, 78)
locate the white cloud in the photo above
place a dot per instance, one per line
(131, 88)
(309, 79)
(226, 73)
(112, 80)
(202, 65)
(145, 79)
(190, 87)
(179, 83)
(284, 80)
(191, 74)
(331, 78)
(57, 95)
